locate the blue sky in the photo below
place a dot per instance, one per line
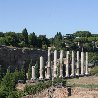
(49, 16)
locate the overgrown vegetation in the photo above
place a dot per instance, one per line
(94, 71)
(80, 40)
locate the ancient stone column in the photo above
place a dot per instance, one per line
(33, 73)
(55, 64)
(86, 66)
(61, 63)
(49, 64)
(67, 64)
(73, 64)
(82, 63)
(77, 68)
(41, 68)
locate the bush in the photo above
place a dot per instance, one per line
(13, 94)
(33, 89)
(94, 71)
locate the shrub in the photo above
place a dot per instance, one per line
(94, 70)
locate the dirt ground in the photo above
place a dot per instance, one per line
(76, 91)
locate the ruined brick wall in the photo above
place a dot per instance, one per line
(16, 56)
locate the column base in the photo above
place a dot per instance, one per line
(67, 76)
(81, 75)
(32, 78)
(48, 77)
(72, 75)
(54, 75)
(77, 74)
(40, 78)
(86, 74)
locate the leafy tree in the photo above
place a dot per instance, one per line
(13, 94)
(0, 73)
(16, 76)
(37, 70)
(58, 40)
(11, 38)
(2, 41)
(33, 39)
(30, 70)
(25, 36)
(7, 82)
(1, 34)
(88, 46)
(82, 34)
(22, 73)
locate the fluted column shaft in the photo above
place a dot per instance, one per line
(61, 63)
(86, 66)
(73, 65)
(67, 64)
(55, 63)
(33, 72)
(77, 64)
(41, 67)
(82, 63)
(49, 64)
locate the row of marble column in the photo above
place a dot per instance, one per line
(78, 68)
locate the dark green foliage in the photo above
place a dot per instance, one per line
(30, 70)
(13, 94)
(8, 82)
(38, 87)
(58, 42)
(25, 36)
(88, 46)
(22, 73)
(33, 89)
(94, 71)
(33, 39)
(82, 34)
(37, 70)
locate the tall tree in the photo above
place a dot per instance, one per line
(82, 34)
(33, 39)
(37, 70)
(30, 70)
(25, 36)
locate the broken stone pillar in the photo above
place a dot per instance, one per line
(73, 64)
(82, 63)
(61, 63)
(77, 68)
(67, 64)
(55, 64)
(49, 64)
(86, 66)
(33, 73)
(41, 68)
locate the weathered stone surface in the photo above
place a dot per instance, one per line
(17, 56)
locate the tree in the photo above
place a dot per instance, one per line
(8, 82)
(22, 73)
(2, 41)
(33, 39)
(25, 36)
(16, 76)
(37, 70)
(88, 46)
(82, 34)
(11, 38)
(30, 70)
(1, 34)
(58, 40)
(0, 73)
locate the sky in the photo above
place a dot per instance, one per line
(47, 17)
